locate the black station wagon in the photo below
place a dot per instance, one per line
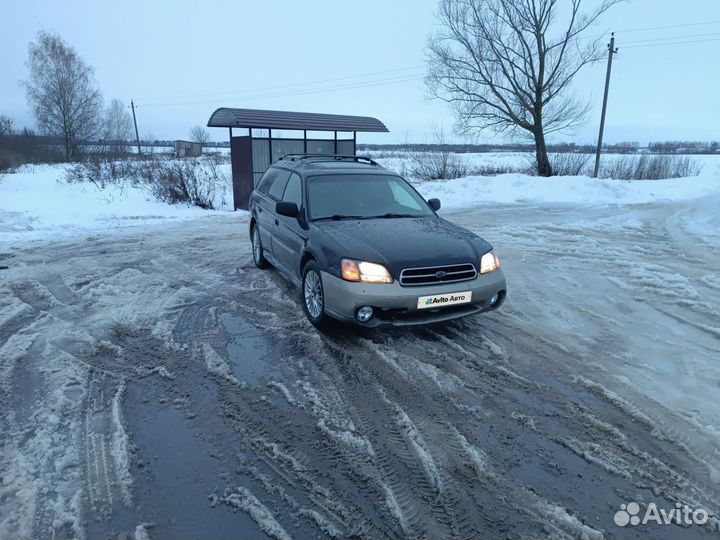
(364, 246)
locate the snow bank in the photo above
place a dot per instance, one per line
(576, 190)
(38, 203)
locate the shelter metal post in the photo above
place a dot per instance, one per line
(270, 146)
(335, 142)
(305, 141)
(241, 164)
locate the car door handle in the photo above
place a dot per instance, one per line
(277, 222)
(259, 208)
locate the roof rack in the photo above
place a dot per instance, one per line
(329, 157)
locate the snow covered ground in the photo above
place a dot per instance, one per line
(576, 190)
(39, 203)
(595, 384)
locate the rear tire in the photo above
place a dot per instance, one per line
(257, 249)
(313, 296)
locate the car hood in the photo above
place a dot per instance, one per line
(405, 242)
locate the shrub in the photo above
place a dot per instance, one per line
(650, 167)
(194, 181)
(443, 165)
(570, 164)
(562, 164)
(184, 182)
(439, 166)
(492, 170)
(101, 171)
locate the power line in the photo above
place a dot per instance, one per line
(239, 93)
(647, 29)
(293, 85)
(291, 94)
(359, 84)
(650, 28)
(672, 38)
(307, 91)
(355, 81)
(670, 43)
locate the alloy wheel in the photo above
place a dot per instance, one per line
(313, 294)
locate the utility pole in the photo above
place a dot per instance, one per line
(137, 137)
(611, 51)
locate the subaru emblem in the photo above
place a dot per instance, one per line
(440, 274)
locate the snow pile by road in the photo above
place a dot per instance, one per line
(38, 202)
(576, 190)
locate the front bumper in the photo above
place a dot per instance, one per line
(396, 305)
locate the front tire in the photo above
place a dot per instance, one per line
(313, 296)
(257, 249)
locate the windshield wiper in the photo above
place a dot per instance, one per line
(391, 215)
(338, 217)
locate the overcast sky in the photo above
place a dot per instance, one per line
(181, 60)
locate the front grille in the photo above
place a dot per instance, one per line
(436, 275)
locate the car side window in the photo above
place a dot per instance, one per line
(278, 186)
(267, 180)
(293, 190)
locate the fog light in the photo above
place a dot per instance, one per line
(364, 314)
(494, 300)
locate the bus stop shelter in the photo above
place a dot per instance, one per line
(263, 137)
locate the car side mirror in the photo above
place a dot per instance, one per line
(289, 209)
(434, 204)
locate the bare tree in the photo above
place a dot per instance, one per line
(7, 125)
(200, 135)
(62, 92)
(118, 126)
(507, 65)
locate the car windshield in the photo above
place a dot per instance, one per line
(363, 196)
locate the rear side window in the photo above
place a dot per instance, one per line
(278, 186)
(293, 190)
(267, 180)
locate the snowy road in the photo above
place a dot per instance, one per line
(155, 383)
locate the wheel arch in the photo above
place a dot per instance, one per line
(307, 256)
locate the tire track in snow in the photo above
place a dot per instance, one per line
(485, 396)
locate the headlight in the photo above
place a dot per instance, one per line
(366, 272)
(489, 263)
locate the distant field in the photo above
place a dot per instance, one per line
(395, 160)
